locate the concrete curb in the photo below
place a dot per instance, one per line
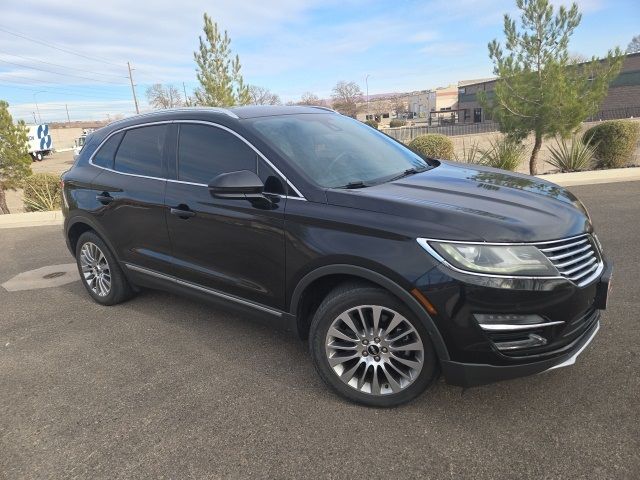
(35, 219)
(31, 219)
(594, 176)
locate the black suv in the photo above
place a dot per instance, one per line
(393, 266)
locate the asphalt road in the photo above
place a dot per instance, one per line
(166, 387)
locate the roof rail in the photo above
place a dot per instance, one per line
(224, 111)
(321, 108)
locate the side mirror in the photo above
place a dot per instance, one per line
(242, 184)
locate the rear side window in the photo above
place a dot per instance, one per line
(141, 150)
(205, 152)
(104, 156)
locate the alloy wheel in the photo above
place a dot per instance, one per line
(374, 350)
(95, 269)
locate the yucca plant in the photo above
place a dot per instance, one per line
(503, 153)
(574, 156)
(42, 192)
(469, 155)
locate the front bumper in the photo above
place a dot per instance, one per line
(475, 358)
(470, 375)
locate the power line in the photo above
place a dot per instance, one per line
(57, 91)
(32, 59)
(58, 73)
(13, 76)
(46, 44)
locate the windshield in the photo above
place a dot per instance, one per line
(337, 151)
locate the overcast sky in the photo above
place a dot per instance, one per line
(288, 46)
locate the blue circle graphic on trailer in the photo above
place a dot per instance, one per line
(44, 137)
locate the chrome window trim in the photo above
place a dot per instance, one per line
(424, 243)
(197, 122)
(201, 288)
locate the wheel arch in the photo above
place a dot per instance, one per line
(322, 279)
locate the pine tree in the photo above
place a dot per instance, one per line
(221, 83)
(15, 162)
(540, 90)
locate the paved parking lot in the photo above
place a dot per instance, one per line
(166, 387)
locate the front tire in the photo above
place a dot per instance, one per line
(369, 347)
(100, 272)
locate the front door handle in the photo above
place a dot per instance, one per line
(182, 212)
(104, 198)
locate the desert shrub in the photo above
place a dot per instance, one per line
(397, 122)
(371, 123)
(433, 145)
(572, 156)
(616, 141)
(41, 192)
(470, 154)
(503, 153)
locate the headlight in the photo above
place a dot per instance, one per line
(511, 260)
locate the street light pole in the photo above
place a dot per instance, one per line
(366, 81)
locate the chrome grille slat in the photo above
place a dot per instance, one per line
(579, 267)
(586, 272)
(561, 247)
(573, 252)
(577, 259)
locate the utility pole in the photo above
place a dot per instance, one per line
(366, 81)
(133, 89)
(34, 117)
(186, 99)
(67, 108)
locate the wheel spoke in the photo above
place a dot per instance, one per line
(409, 347)
(395, 386)
(377, 313)
(347, 320)
(338, 360)
(334, 332)
(347, 375)
(405, 361)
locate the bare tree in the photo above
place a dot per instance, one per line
(263, 96)
(399, 105)
(309, 98)
(161, 96)
(346, 96)
(634, 45)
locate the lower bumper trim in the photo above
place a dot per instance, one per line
(471, 374)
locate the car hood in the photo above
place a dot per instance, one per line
(483, 204)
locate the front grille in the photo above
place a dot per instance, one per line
(577, 258)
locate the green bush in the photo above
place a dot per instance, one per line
(616, 141)
(433, 145)
(397, 122)
(42, 192)
(371, 123)
(503, 153)
(572, 157)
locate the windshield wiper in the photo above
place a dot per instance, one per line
(357, 184)
(407, 172)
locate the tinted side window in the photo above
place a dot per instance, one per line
(104, 156)
(205, 152)
(141, 151)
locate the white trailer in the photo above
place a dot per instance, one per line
(40, 143)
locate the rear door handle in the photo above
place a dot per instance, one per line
(104, 198)
(182, 212)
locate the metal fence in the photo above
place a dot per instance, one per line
(406, 134)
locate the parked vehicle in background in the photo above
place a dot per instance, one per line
(394, 266)
(40, 143)
(79, 142)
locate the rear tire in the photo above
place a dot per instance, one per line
(100, 272)
(368, 346)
